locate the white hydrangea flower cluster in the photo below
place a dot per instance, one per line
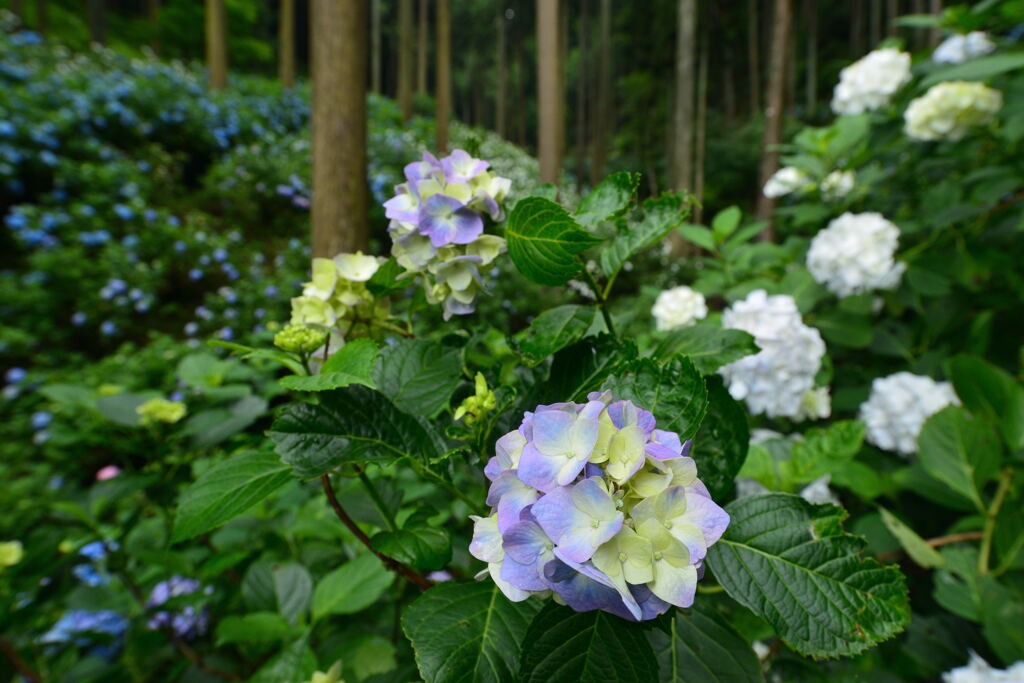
(960, 48)
(870, 82)
(337, 294)
(776, 380)
(855, 254)
(786, 180)
(949, 110)
(679, 307)
(898, 407)
(977, 670)
(838, 184)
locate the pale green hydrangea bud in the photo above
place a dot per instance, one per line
(161, 410)
(332, 675)
(11, 553)
(474, 407)
(300, 338)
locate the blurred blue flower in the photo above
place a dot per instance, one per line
(130, 241)
(180, 246)
(41, 437)
(177, 396)
(220, 254)
(88, 575)
(173, 220)
(195, 274)
(79, 319)
(15, 375)
(41, 420)
(124, 212)
(108, 328)
(226, 334)
(270, 291)
(16, 221)
(191, 329)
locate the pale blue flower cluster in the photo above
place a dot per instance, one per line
(189, 621)
(595, 506)
(437, 226)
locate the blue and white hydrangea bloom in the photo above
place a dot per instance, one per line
(437, 226)
(595, 506)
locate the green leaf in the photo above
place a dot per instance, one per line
(917, 548)
(581, 368)
(213, 426)
(293, 587)
(467, 632)
(352, 587)
(699, 235)
(826, 450)
(563, 646)
(227, 490)
(709, 347)
(721, 443)
(661, 215)
(845, 329)
(725, 223)
(611, 198)
(552, 330)
(699, 646)
(959, 451)
(351, 364)
(296, 662)
(202, 370)
(976, 69)
(354, 424)
(422, 547)
(418, 376)
(121, 408)
(74, 395)
(259, 627)
(258, 586)
(791, 564)
(989, 392)
(1002, 619)
(386, 280)
(543, 241)
(674, 392)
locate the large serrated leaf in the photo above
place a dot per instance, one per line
(227, 490)
(563, 646)
(789, 562)
(709, 347)
(699, 646)
(674, 392)
(552, 330)
(543, 241)
(611, 198)
(354, 424)
(960, 451)
(418, 376)
(662, 215)
(992, 393)
(720, 446)
(581, 368)
(419, 546)
(293, 588)
(467, 632)
(351, 364)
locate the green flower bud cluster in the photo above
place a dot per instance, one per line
(300, 338)
(337, 295)
(475, 407)
(161, 410)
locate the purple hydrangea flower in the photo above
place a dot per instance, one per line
(446, 220)
(597, 505)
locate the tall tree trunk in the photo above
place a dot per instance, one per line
(154, 25)
(405, 57)
(936, 9)
(702, 128)
(286, 44)
(18, 9)
(216, 44)
(892, 12)
(681, 169)
(42, 18)
(443, 77)
(857, 29)
(774, 109)
(875, 22)
(919, 37)
(421, 48)
(811, 22)
(582, 73)
(501, 87)
(520, 91)
(754, 56)
(550, 125)
(340, 193)
(376, 84)
(98, 22)
(601, 119)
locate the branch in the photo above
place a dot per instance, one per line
(391, 563)
(936, 542)
(20, 664)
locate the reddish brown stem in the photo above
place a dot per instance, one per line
(938, 542)
(20, 664)
(391, 563)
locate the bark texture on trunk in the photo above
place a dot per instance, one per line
(811, 21)
(936, 36)
(375, 47)
(216, 44)
(340, 193)
(422, 44)
(550, 123)
(286, 44)
(42, 18)
(18, 9)
(405, 57)
(98, 22)
(501, 87)
(582, 76)
(602, 116)
(773, 114)
(444, 75)
(701, 133)
(754, 56)
(681, 172)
